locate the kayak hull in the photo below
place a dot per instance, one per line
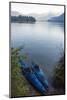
(31, 77)
(40, 75)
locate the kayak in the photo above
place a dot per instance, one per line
(40, 75)
(31, 77)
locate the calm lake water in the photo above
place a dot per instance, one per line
(44, 41)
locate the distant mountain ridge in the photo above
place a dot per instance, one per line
(59, 18)
(41, 17)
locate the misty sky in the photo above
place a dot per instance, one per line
(37, 9)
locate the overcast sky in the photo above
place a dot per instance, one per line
(38, 9)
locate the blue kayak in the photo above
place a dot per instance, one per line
(31, 77)
(40, 75)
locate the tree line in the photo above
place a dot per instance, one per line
(23, 19)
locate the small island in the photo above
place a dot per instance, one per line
(22, 19)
